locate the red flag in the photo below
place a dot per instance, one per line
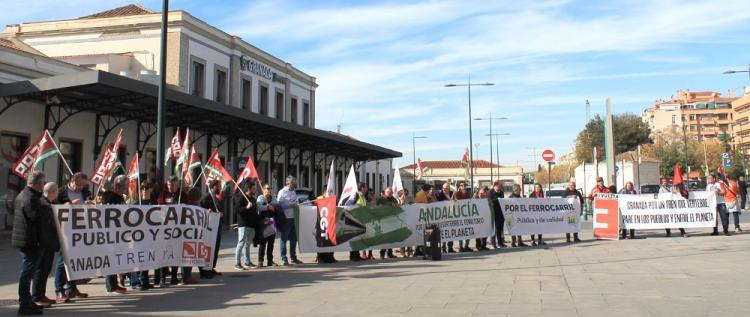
(677, 178)
(174, 147)
(326, 229)
(134, 175)
(420, 169)
(249, 171)
(33, 158)
(108, 163)
(215, 170)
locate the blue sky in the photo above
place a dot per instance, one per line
(382, 65)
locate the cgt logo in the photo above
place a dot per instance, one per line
(606, 219)
(196, 250)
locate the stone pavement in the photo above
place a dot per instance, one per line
(697, 276)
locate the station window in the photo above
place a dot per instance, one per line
(263, 100)
(197, 78)
(293, 111)
(279, 105)
(220, 86)
(246, 98)
(306, 114)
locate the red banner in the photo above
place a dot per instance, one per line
(606, 219)
(326, 230)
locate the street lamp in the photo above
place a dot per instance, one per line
(468, 85)
(414, 150)
(490, 119)
(738, 71)
(497, 147)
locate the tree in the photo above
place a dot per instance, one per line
(561, 173)
(629, 132)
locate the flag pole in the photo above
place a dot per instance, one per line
(138, 179)
(199, 176)
(59, 152)
(241, 192)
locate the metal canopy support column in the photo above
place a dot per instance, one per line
(271, 160)
(104, 125)
(56, 114)
(144, 133)
(11, 101)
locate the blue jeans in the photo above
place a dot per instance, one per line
(244, 239)
(724, 215)
(39, 282)
(736, 216)
(30, 258)
(288, 234)
(62, 285)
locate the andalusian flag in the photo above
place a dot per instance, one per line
(134, 175)
(465, 163)
(34, 157)
(420, 170)
(183, 164)
(108, 164)
(215, 170)
(173, 152)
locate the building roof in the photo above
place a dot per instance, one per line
(105, 93)
(19, 46)
(452, 164)
(128, 10)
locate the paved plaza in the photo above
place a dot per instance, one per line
(697, 276)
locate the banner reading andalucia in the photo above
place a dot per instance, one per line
(383, 227)
(668, 211)
(108, 239)
(541, 216)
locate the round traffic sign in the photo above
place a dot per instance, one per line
(548, 155)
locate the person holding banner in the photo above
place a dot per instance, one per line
(538, 193)
(481, 243)
(116, 196)
(287, 199)
(387, 200)
(26, 229)
(496, 193)
(76, 192)
(172, 195)
(247, 220)
(140, 280)
(50, 244)
(325, 257)
(628, 190)
(461, 194)
(267, 209)
(665, 189)
(720, 190)
(572, 192)
(444, 195)
(517, 241)
(212, 202)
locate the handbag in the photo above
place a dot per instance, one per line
(269, 228)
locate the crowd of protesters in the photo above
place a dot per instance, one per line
(259, 221)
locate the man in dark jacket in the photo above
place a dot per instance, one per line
(247, 220)
(27, 225)
(211, 202)
(743, 191)
(444, 195)
(496, 193)
(387, 200)
(50, 244)
(572, 192)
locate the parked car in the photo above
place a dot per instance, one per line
(304, 195)
(650, 189)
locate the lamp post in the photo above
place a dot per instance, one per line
(161, 103)
(497, 148)
(490, 119)
(738, 71)
(468, 85)
(414, 150)
(742, 147)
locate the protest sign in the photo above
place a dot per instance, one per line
(98, 240)
(606, 224)
(668, 211)
(383, 227)
(541, 216)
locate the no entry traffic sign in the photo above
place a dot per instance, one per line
(548, 155)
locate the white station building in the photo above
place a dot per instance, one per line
(85, 78)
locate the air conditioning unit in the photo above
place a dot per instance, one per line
(149, 76)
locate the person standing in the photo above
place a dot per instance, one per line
(445, 195)
(494, 194)
(516, 240)
(212, 202)
(75, 193)
(287, 200)
(387, 200)
(50, 244)
(140, 280)
(116, 196)
(172, 195)
(731, 199)
(719, 189)
(461, 194)
(481, 243)
(267, 211)
(538, 193)
(572, 192)
(743, 191)
(628, 190)
(247, 219)
(666, 189)
(324, 257)
(27, 225)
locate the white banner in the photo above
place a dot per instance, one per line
(380, 227)
(668, 211)
(98, 240)
(541, 216)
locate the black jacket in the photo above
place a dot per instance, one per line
(111, 198)
(48, 235)
(743, 188)
(27, 222)
(246, 217)
(64, 199)
(209, 202)
(570, 193)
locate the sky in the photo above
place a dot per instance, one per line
(382, 65)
